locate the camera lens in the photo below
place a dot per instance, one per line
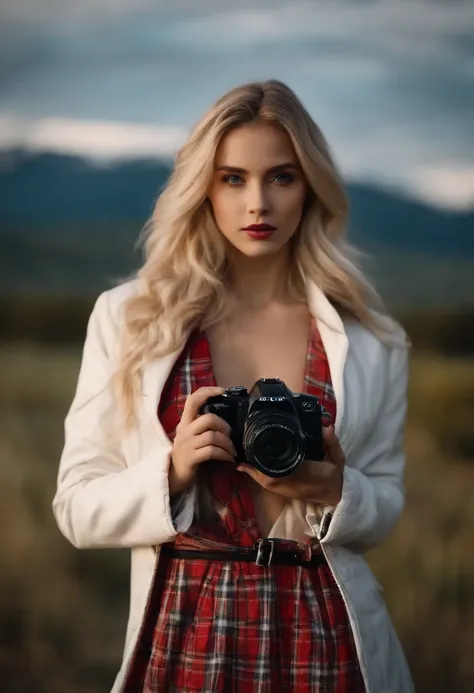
(274, 442)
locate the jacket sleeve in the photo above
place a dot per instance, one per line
(373, 493)
(99, 501)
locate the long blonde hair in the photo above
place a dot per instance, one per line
(184, 272)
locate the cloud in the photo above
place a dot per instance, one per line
(389, 24)
(98, 140)
(401, 161)
(28, 12)
(445, 185)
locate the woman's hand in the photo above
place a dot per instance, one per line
(198, 439)
(319, 482)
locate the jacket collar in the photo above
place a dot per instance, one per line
(321, 308)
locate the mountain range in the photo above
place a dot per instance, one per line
(67, 224)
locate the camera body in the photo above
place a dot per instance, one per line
(273, 429)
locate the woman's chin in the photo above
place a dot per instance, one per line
(257, 249)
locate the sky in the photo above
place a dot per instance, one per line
(390, 82)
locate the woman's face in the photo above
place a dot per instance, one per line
(257, 180)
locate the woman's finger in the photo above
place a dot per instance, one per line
(261, 479)
(194, 401)
(334, 451)
(209, 422)
(215, 438)
(251, 471)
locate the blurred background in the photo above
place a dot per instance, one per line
(95, 97)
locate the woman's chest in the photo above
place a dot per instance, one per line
(248, 350)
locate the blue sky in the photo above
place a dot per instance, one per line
(391, 82)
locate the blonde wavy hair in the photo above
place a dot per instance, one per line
(184, 277)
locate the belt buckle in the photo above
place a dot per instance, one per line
(260, 545)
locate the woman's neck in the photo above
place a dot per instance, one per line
(257, 284)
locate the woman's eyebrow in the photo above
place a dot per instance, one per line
(274, 169)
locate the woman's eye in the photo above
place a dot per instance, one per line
(280, 178)
(233, 179)
(283, 178)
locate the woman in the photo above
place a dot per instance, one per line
(241, 581)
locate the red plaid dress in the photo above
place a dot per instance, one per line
(237, 627)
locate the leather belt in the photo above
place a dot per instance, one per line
(265, 552)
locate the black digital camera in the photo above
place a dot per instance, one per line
(273, 429)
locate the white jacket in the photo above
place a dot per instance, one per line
(113, 488)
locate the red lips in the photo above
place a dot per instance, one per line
(259, 227)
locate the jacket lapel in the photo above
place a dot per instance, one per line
(154, 377)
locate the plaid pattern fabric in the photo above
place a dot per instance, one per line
(237, 627)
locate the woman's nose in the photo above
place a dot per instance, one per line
(258, 203)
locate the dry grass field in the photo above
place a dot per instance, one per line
(63, 611)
